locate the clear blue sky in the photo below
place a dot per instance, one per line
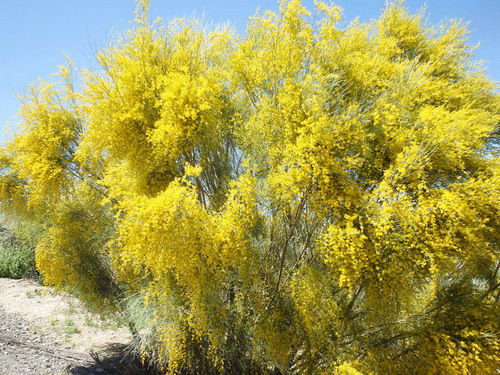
(34, 34)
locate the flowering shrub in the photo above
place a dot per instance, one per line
(302, 198)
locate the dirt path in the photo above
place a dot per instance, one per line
(46, 333)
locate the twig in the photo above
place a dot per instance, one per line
(68, 355)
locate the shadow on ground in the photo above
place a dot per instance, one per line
(113, 360)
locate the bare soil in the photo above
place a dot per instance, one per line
(43, 332)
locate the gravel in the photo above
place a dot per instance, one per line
(20, 359)
(24, 351)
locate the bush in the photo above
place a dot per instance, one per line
(18, 238)
(16, 261)
(297, 199)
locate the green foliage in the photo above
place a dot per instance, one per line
(298, 199)
(16, 262)
(17, 243)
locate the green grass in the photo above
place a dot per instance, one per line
(70, 328)
(103, 324)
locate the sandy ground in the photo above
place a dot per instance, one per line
(59, 317)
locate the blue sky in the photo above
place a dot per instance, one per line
(34, 34)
